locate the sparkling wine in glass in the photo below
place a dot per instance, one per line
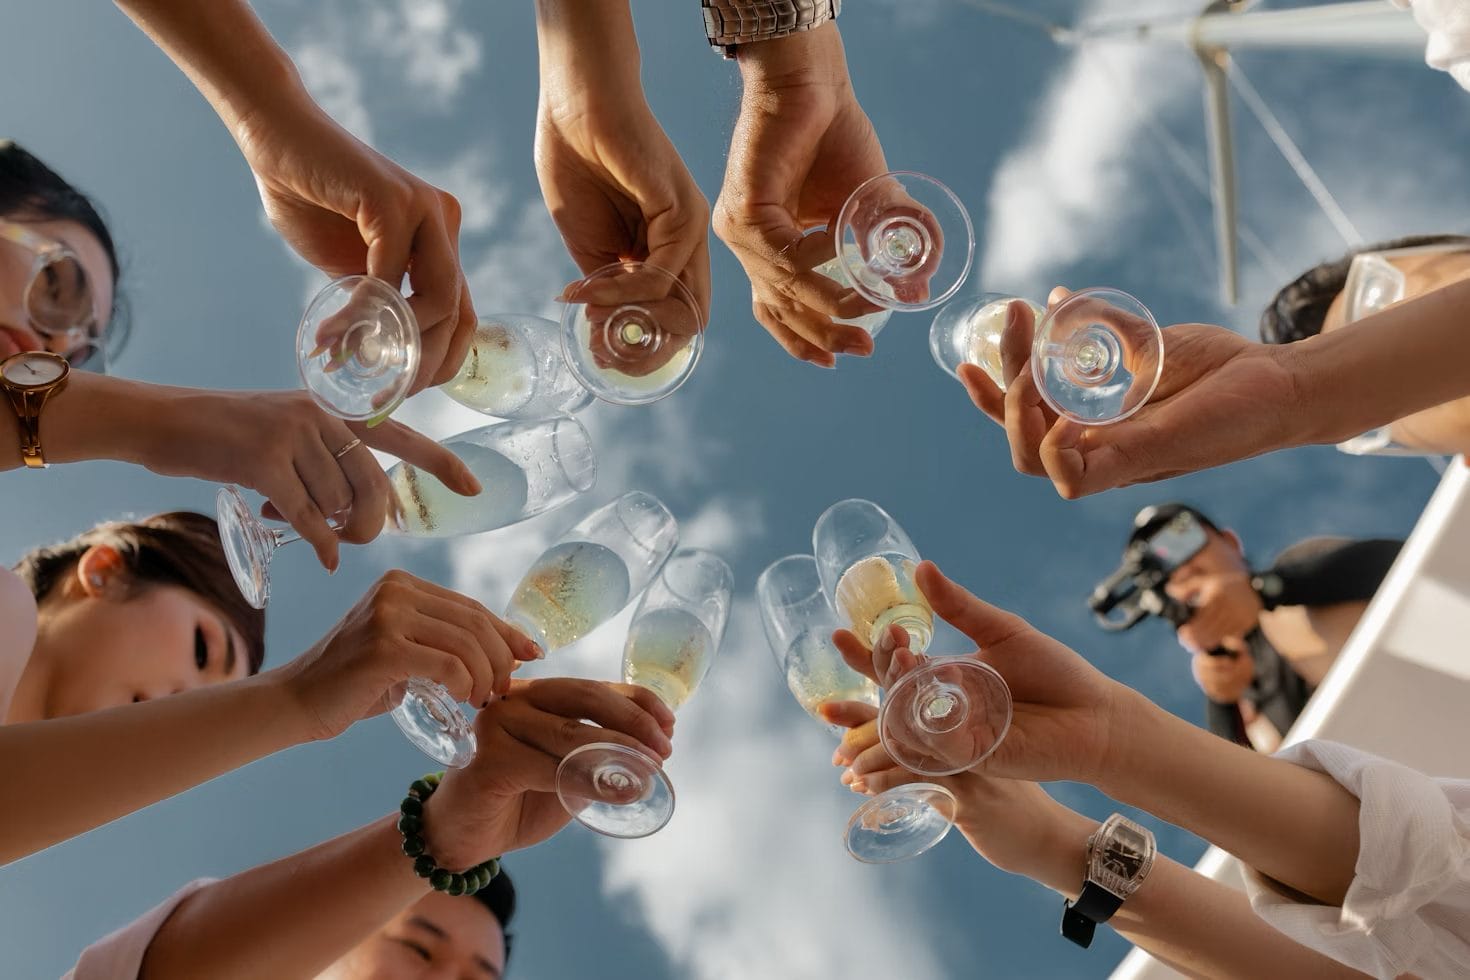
(968, 331)
(595, 569)
(901, 823)
(515, 369)
(619, 791)
(358, 348)
(946, 714)
(632, 333)
(904, 241)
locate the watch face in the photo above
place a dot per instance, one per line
(1125, 853)
(34, 368)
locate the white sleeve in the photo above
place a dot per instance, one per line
(1447, 22)
(119, 955)
(1407, 909)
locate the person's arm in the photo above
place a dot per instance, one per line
(341, 205)
(69, 775)
(296, 916)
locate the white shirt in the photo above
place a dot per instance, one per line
(1447, 22)
(1407, 909)
(119, 955)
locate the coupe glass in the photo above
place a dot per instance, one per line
(525, 469)
(632, 333)
(1098, 356)
(904, 241)
(968, 331)
(619, 791)
(515, 369)
(946, 714)
(901, 823)
(593, 570)
(358, 348)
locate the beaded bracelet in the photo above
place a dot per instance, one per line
(411, 826)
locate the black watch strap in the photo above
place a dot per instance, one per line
(1081, 918)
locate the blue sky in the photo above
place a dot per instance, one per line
(1064, 183)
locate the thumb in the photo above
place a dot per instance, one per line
(983, 623)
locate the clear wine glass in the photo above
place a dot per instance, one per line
(358, 348)
(904, 241)
(619, 791)
(1098, 356)
(593, 570)
(525, 469)
(896, 825)
(515, 369)
(968, 331)
(632, 333)
(946, 714)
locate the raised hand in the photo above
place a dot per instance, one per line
(802, 144)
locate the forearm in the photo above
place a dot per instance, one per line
(1292, 824)
(289, 918)
(1195, 925)
(69, 775)
(1406, 359)
(226, 52)
(93, 417)
(587, 49)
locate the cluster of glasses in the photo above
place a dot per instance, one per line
(61, 302)
(940, 718)
(630, 334)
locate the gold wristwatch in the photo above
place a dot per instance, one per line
(29, 379)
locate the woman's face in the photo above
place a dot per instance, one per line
(100, 651)
(16, 330)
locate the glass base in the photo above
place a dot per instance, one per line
(1097, 356)
(900, 824)
(248, 545)
(945, 716)
(358, 348)
(431, 719)
(615, 791)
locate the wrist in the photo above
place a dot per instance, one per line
(587, 53)
(1063, 864)
(806, 57)
(1135, 727)
(454, 830)
(293, 707)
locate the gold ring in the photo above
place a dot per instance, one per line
(347, 448)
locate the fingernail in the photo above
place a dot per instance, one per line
(1011, 315)
(319, 350)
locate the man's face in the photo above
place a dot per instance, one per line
(1221, 555)
(439, 937)
(1444, 428)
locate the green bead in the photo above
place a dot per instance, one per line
(492, 866)
(411, 805)
(456, 884)
(481, 878)
(420, 789)
(413, 846)
(424, 865)
(433, 778)
(409, 825)
(439, 880)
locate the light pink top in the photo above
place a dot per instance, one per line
(119, 955)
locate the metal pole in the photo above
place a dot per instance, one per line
(1364, 26)
(1222, 169)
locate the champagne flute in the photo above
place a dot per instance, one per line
(901, 823)
(946, 714)
(593, 570)
(515, 369)
(1096, 358)
(358, 348)
(632, 333)
(619, 791)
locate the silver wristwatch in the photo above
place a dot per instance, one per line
(731, 22)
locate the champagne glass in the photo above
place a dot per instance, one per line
(968, 331)
(946, 714)
(622, 792)
(632, 333)
(901, 823)
(593, 570)
(515, 369)
(358, 348)
(904, 241)
(1098, 356)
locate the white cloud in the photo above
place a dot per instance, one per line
(436, 54)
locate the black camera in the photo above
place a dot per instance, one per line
(1135, 589)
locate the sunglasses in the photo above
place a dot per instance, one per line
(60, 301)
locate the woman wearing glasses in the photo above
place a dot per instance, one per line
(60, 326)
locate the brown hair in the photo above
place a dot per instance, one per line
(178, 548)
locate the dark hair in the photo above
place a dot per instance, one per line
(31, 190)
(1155, 516)
(179, 548)
(1298, 310)
(500, 898)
